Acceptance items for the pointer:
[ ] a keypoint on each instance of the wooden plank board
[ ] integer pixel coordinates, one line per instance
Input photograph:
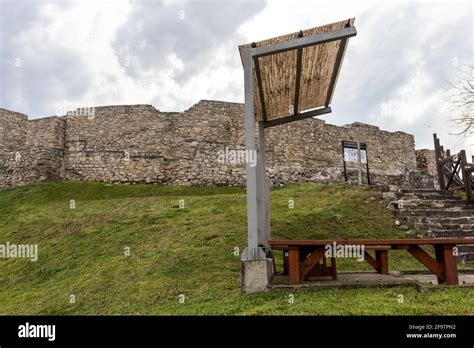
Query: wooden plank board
(277, 244)
(278, 78)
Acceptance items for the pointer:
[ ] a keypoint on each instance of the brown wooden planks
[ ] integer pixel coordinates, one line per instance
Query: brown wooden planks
(278, 73)
(280, 244)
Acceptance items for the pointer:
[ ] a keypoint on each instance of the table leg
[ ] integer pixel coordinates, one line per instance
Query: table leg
(439, 253)
(333, 268)
(294, 266)
(381, 256)
(450, 265)
(285, 262)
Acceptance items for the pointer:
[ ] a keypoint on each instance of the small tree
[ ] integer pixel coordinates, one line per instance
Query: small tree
(462, 101)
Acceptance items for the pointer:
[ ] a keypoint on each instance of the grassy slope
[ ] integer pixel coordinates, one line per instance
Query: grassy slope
(185, 251)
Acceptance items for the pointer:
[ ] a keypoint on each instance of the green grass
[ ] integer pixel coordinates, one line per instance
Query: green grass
(461, 194)
(187, 251)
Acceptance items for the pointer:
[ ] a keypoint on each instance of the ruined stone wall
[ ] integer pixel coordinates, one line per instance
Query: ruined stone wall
(30, 151)
(12, 141)
(311, 150)
(426, 163)
(45, 147)
(141, 144)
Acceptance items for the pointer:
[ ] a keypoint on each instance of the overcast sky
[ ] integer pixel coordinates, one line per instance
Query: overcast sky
(57, 56)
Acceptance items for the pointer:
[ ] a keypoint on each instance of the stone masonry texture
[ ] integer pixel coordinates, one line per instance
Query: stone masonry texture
(138, 143)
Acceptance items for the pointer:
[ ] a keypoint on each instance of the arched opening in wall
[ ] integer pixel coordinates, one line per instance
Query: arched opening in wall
(355, 162)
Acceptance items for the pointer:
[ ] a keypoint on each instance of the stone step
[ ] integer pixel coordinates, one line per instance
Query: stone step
(467, 248)
(466, 257)
(437, 213)
(441, 192)
(451, 233)
(434, 226)
(434, 204)
(429, 196)
(462, 220)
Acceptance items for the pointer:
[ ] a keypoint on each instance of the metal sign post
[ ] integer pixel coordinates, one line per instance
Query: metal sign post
(353, 151)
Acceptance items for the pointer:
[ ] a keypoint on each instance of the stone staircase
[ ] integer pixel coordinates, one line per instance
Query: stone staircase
(437, 214)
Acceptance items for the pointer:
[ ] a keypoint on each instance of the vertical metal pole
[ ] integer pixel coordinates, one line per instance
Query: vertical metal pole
(344, 162)
(359, 162)
(263, 193)
(252, 213)
(367, 164)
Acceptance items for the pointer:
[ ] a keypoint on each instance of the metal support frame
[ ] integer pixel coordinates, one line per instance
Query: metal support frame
(252, 212)
(299, 60)
(260, 88)
(305, 42)
(300, 116)
(337, 67)
(263, 193)
(258, 191)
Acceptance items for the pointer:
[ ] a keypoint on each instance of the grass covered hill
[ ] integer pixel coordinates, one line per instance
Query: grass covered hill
(134, 249)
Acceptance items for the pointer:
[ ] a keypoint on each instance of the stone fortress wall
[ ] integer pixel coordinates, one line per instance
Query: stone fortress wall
(138, 143)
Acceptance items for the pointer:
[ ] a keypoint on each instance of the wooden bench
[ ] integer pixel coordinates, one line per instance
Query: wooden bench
(304, 256)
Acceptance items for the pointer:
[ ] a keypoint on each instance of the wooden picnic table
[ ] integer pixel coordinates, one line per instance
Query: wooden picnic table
(304, 256)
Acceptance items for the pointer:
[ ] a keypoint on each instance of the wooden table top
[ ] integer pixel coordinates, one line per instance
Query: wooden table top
(280, 244)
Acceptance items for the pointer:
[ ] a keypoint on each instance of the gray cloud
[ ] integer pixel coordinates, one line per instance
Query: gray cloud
(190, 30)
(36, 73)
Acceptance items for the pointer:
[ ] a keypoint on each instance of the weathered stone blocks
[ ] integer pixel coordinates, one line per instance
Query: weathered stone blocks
(137, 143)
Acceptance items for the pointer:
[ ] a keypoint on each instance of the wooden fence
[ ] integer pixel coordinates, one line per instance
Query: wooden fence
(454, 172)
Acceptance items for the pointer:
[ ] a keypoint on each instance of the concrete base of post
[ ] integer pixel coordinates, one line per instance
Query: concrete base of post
(256, 275)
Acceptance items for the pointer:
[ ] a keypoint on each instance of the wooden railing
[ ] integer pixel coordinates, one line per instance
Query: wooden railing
(454, 172)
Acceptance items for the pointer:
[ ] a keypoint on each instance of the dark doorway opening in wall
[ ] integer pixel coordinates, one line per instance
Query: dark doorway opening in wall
(354, 158)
